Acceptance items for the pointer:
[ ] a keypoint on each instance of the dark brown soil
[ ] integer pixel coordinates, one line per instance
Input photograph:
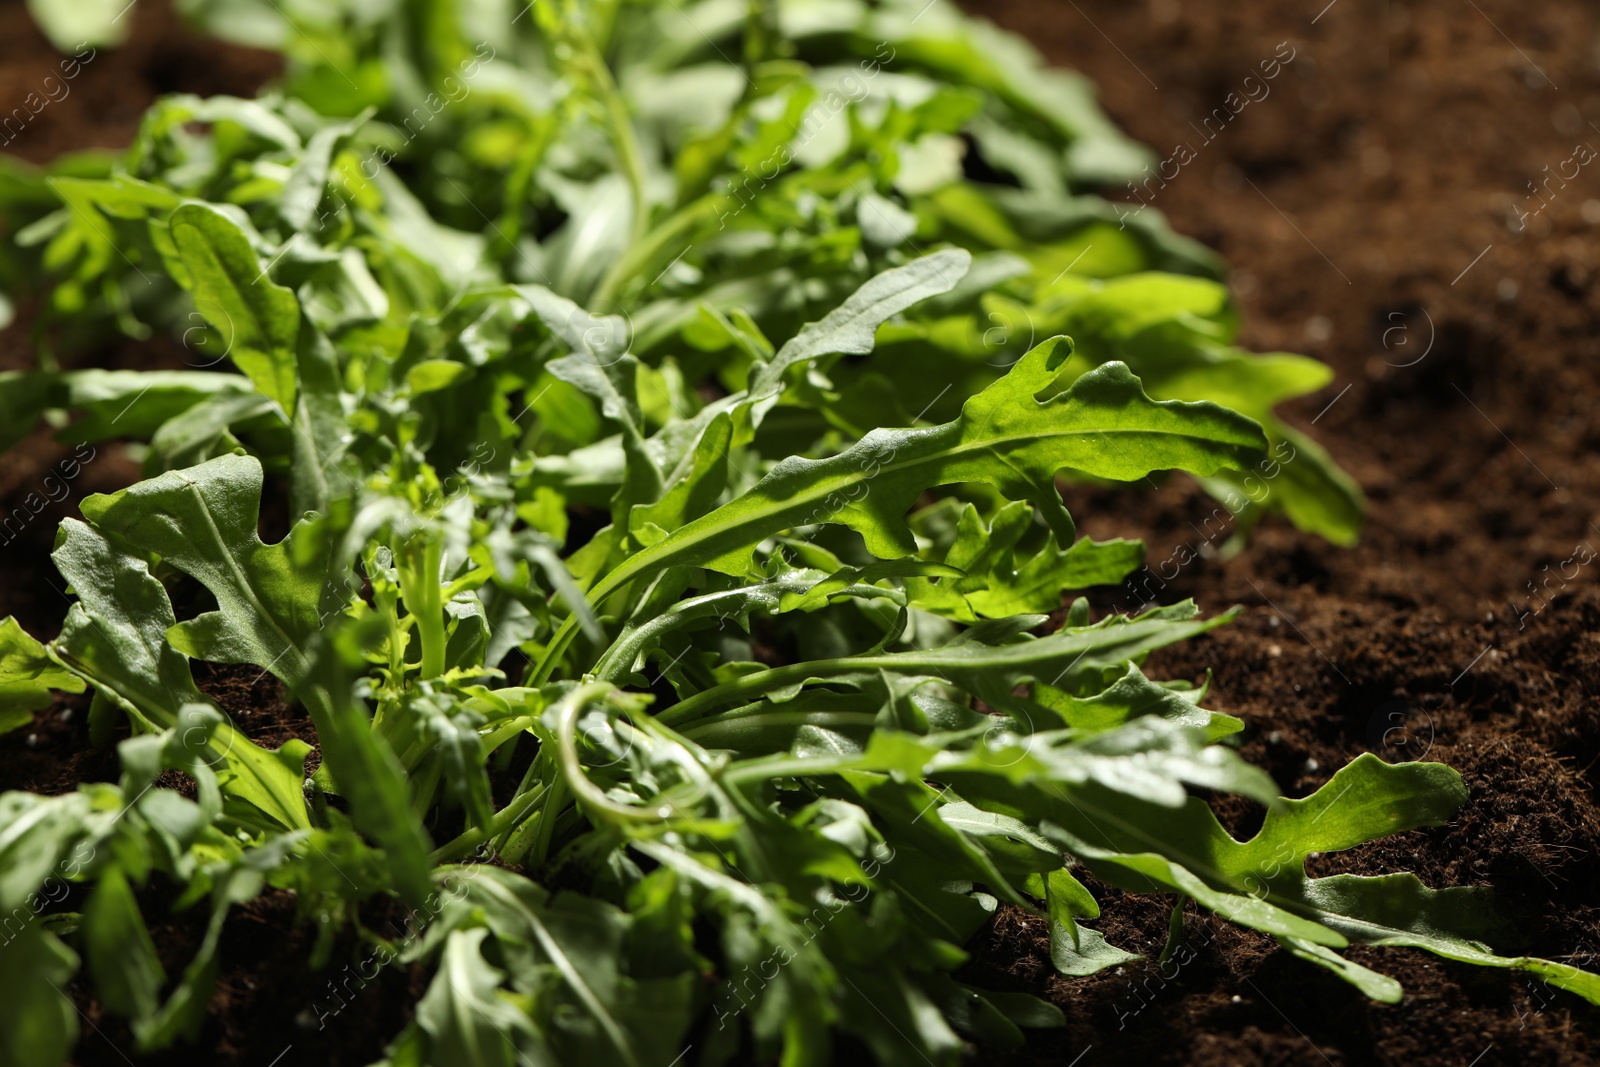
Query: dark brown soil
(101, 105)
(1354, 202)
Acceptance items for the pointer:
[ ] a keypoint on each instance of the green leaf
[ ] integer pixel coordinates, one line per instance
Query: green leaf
(122, 957)
(304, 189)
(910, 812)
(115, 638)
(1397, 910)
(116, 635)
(359, 763)
(465, 1019)
(598, 365)
(1003, 575)
(1104, 425)
(1149, 871)
(788, 591)
(38, 1021)
(204, 431)
(1175, 333)
(257, 318)
(578, 940)
(988, 671)
(70, 26)
(203, 520)
(1139, 770)
(1075, 949)
(851, 328)
(1083, 951)
(1309, 487)
(27, 676)
(321, 431)
(1363, 801)
(136, 404)
(695, 492)
(432, 375)
(1129, 697)
(1379, 987)
(35, 834)
(1262, 882)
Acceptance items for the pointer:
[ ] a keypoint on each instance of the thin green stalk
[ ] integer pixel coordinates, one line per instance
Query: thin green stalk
(424, 788)
(743, 690)
(531, 779)
(506, 819)
(782, 765)
(386, 601)
(587, 63)
(717, 730)
(603, 21)
(648, 248)
(544, 827)
(499, 736)
(762, 32)
(636, 638)
(421, 559)
(627, 145)
(591, 796)
(553, 652)
(541, 134)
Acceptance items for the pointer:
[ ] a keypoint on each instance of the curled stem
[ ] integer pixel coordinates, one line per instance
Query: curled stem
(591, 796)
(586, 792)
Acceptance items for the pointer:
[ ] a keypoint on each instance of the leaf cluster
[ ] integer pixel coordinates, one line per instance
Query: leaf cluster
(685, 539)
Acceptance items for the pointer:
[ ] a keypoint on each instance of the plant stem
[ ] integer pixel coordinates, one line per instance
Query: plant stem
(588, 62)
(644, 251)
(590, 795)
(720, 732)
(761, 32)
(493, 740)
(627, 145)
(505, 819)
(420, 562)
(544, 828)
(741, 690)
(553, 652)
(780, 766)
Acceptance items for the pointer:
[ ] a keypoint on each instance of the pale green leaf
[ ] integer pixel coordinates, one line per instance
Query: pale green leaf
(1104, 425)
(38, 1020)
(257, 318)
(115, 637)
(466, 1020)
(27, 676)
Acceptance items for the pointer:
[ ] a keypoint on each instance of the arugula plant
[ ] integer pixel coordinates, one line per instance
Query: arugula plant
(752, 683)
(680, 164)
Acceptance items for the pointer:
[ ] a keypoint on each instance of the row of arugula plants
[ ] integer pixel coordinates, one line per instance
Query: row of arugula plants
(670, 402)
